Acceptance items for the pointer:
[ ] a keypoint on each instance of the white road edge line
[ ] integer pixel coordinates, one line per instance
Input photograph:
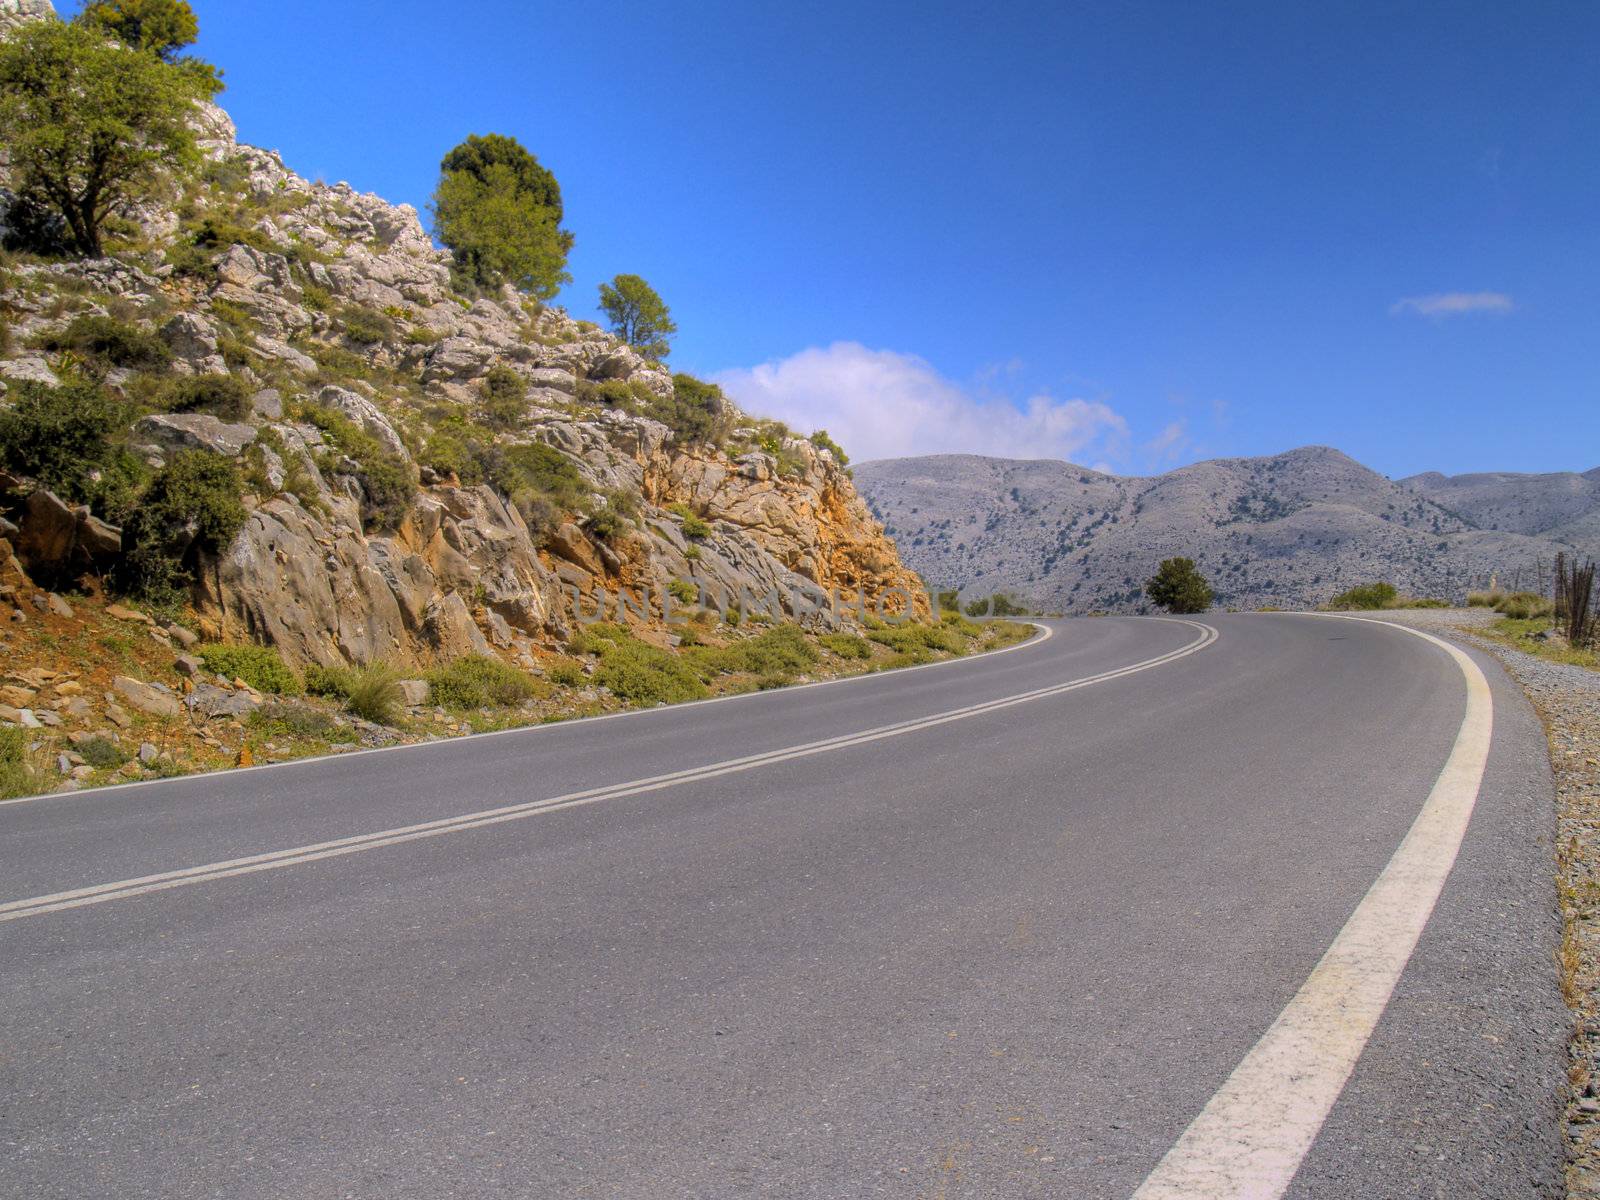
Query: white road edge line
(1249, 1141)
(126, 888)
(533, 730)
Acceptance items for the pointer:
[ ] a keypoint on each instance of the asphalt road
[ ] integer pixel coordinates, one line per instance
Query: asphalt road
(988, 949)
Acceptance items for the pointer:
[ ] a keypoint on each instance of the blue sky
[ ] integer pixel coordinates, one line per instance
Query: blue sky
(1135, 234)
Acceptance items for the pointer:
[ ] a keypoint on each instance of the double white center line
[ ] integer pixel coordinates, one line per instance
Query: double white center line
(127, 888)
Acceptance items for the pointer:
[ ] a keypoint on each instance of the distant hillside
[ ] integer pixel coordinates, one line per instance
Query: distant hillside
(1292, 529)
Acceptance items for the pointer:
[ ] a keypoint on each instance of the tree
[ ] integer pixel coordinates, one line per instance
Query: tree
(1178, 587)
(638, 315)
(162, 27)
(500, 213)
(90, 125)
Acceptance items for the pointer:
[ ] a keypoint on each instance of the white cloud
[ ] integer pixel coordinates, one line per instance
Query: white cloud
(1170, 444)
(1452, 304)
(881, 404)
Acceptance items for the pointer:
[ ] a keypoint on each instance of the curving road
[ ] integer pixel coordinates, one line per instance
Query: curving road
(1004, 927)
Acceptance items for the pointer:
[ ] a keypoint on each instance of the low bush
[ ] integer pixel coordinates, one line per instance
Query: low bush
(1366, 596)
(1484, 599)
(683, 591)
(822, 441)
(366, 326)
(846, 645)
(505, 398)
(616, 518)
(373, 694)
(480, 682)
(920, 641)
(16, 775)
(694, 528)
(1524, 606)
(102, 753)
(112, 342)
(779, 651)
(695, 412)
(227, 396)
(643, 674)
(259, 666)
(566, 672)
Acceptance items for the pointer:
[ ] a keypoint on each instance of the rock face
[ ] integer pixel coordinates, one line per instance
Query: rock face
(360, 361)
(15, 12)
(1291, 530)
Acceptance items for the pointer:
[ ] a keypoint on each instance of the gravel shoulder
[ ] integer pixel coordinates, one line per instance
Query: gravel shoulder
(1567, 699)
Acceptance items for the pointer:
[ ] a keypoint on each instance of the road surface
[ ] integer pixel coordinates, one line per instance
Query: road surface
(1002, 927)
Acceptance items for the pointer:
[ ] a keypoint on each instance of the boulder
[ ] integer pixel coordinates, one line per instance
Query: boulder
(415, 692)
(213, 701)
(153, 698)
(367, 415)
(195, 431)
(555, 378)
(193, 340)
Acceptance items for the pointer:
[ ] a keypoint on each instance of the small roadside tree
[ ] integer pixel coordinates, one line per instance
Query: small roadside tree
(90, 125)
(500, 213)
(162, 27)
(638, 315)
(1178, 587)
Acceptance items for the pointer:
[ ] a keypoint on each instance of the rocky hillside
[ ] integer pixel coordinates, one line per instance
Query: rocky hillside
(424, 473)
(1562, 505)
(1293, 529)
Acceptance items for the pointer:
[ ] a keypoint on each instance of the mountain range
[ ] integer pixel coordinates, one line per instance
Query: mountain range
(1290, 529)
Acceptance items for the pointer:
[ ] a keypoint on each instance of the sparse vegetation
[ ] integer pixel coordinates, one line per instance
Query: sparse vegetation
(1366, 596)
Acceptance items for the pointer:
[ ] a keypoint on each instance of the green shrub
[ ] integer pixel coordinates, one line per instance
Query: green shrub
(683, 591)
(366, 327)
(846, 645)
(112, 341)
(1178, 587)
(479, 682)
(566, 672)
(1525, 606)
(505, 398)
(643, 674)
(259, 666)
(102, 753)
(920, 641)
(779, 651)
(695, 412)
(16, 775)
(1484, 599)
(63, 438)
(693, 527)
(538, 468)
(373, 694)
(1366, 596)
(191, 509)
(335, 683)
(225, 395)
(616, 518)
(822, 441)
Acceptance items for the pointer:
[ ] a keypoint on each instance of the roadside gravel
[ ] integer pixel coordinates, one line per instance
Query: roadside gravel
(1567, 699)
